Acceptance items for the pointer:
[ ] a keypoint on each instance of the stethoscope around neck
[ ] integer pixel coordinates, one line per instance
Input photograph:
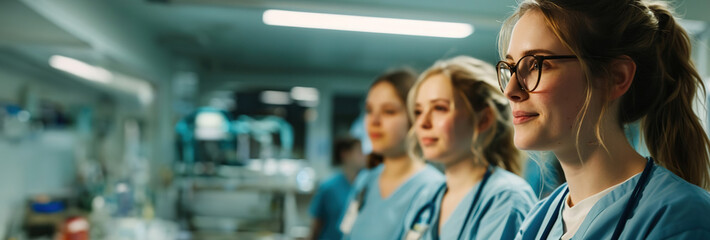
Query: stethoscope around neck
(425, 215)
(630, 206)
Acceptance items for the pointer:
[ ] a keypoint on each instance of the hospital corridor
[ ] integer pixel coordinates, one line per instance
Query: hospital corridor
(354, 119)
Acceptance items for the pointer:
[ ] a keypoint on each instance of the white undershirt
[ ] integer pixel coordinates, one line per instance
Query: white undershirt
(572, 217)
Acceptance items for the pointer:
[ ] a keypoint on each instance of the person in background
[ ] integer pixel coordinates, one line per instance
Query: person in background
(384, 192)
(462, 121)
(328, 204)
(575, 73)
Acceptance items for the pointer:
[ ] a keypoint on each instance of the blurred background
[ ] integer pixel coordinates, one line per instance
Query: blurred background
(205, 119)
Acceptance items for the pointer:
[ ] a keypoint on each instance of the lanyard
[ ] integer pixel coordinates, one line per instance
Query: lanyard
(630, 205)
(429, 208)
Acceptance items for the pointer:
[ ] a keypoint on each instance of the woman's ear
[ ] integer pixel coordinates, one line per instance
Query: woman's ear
(487, 119)
(623, 70)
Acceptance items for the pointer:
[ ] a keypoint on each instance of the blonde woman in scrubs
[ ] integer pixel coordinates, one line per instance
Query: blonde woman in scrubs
(384, 193)
(462, 120)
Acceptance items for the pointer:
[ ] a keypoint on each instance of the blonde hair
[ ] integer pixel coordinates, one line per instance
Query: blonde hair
(665, 83)
(474, 82)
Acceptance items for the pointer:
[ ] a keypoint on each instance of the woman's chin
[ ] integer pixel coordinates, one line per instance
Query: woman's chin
(431, 157)
(380, 150)
(526, 144)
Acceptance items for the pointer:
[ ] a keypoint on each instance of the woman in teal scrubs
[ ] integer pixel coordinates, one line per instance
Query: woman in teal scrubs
(461, 120)
(384, 193)
(576, 72)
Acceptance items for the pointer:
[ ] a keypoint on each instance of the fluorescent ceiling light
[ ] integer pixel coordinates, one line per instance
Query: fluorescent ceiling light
(304, 94)
(142, 89)
(81, 69)
(275, 98)
(367, 24)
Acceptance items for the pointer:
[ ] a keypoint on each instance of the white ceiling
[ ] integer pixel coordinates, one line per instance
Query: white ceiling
(228, 36)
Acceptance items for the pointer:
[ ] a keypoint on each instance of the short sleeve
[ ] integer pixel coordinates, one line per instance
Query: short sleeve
(317, 207)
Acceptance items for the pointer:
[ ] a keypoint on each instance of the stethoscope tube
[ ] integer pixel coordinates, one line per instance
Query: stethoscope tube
(473, 204)
(432, 204)
(429, 206)
(633, 201)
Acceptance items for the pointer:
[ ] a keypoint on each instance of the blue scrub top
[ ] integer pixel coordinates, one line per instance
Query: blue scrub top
(505, 200)
(328, 205)
(381, 218)
(669, 208)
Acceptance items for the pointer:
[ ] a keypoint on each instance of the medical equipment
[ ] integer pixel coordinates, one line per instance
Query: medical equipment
(238, 176)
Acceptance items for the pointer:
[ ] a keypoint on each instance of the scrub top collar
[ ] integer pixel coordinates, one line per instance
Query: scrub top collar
(560, 198)
(427, 214)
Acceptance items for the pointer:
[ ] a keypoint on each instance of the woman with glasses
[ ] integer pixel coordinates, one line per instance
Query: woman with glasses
(383, 194)
(462, 121)
(575, 73)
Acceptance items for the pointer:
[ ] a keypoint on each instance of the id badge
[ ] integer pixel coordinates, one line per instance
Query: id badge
(350, 216)
(413, 235)
(416, 233)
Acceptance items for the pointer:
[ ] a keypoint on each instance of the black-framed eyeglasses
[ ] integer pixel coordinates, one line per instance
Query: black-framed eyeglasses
(528, 70)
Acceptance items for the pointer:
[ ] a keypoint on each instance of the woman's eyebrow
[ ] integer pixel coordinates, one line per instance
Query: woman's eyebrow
(434, 100)
(531, 52)
(440, 99)
(536, 51)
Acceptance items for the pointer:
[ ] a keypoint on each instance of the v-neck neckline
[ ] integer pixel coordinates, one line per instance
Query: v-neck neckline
(619, 191)
(398, 189)
(468, 198)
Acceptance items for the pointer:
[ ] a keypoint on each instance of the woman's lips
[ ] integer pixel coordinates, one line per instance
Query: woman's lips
(520, 117)
(428, 141)
(375, 136)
